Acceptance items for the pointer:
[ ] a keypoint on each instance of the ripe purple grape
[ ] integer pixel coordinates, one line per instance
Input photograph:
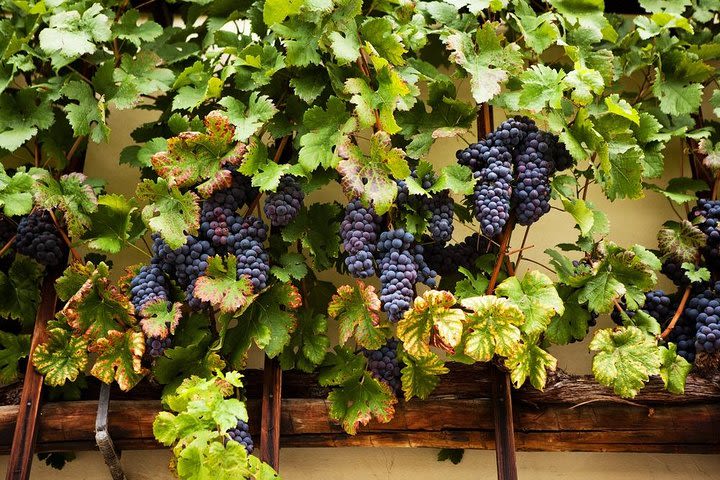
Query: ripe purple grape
(385, 366)
(241, 434)
(398, 272)
(39, 239)
(156, 346)
(219, 212)
(147, 286)
(282, 206)
(704, 309)
(447, 259)
(246, 242)
(359, 230)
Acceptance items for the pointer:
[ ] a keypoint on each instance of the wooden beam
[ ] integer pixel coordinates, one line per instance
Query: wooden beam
(25, 421)
(271, 413)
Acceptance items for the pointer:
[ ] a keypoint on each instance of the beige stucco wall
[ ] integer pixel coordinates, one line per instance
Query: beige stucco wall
(631, 222)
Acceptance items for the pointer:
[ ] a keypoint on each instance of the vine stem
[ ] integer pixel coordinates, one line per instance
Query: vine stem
(504, 242)
(7, 246)
(74, 252)
(74, 147)
(276, 158)
(522, 248)
(678, 313)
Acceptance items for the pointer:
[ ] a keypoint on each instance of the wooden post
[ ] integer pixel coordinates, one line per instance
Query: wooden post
(23, 445)
(501, 389)
(270, 416)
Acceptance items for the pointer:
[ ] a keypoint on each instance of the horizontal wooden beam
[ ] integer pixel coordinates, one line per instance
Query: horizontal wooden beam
(655, 422)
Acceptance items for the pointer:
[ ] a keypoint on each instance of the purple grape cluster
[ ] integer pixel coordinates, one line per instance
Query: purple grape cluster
(442, 211)
(282, 206)
(219, 212)
(425, 274)
(683, 335)
(446, 259)
(385, 366)
(39, 239)
(492, 204)
(359, 230)
(673, 270)
(658, 305)
(398, 272)
(532, 187)
(704, 310)
(246, 242)
(156, 346)
(148, 286)
(241, 434)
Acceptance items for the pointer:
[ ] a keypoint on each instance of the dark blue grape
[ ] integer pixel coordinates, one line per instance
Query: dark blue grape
(447, 259)
(398, 272)
(147, 286)
(282, 206)
(246, 242)
(359, 230)
(385, 366)
(241, 434)
(156, 346)
(39, 239)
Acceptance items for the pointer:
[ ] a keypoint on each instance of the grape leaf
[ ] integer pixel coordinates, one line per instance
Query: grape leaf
(384, 100)
(625, 359)
(317, 230)
(674, 369)
(491, 327)
(87, 117)
(73, 195)
(98, 307)
(137, 76)
(359, 400)
(291, 266)
(536, 297)
(322, 132)
(20, 290)
(677, 97)
(14, 348)
(170, 212)
(308, 343)
(695, 274)
(114, 224)
(220, 286)
(70, 34)
(541, 86)
(431, 315)
(456, 178)
(682, 241)
(159, 322)
(529, 361)
(340, 366)
(192, 157)
(127, 28)
(379, 33)
(119, 356)
(275, 11)
(22, 117)
(16, 192)
(680, 190)
(369, 176)
(357, 308)
(574, 322)
(345, 47)
(62, 357)
(420, 375)
(247, 120)
(73, 279)
(268, 322)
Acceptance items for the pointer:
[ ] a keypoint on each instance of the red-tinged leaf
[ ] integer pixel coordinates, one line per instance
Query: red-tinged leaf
(431, 317)
(157, 320)
(193, 157)
(357, 310)
(360, 400)
(172, 213)
(220, 286)
(119, 358)
(62, 357)
(98, 307)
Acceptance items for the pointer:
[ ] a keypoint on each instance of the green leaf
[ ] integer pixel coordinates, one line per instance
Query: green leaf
(70, 34)
(322, 132)
(420, 375)
(20, 290)
(127, 28)
(621, 107)
(291, 266)
(317, 230)
(574, 322)
(529, 361)
(674, 369)
(585, 83)
(98, 307)
(159, 322)
(680, 190)
(694, 274)
(431, 314)
(456, 178)
(340, 366)
(275, 11)
(14, 348)
(360, 400)
(626, 358)
(583, 215)
(111, 226)
(357, 308)
(601, 291)
(138, 76)
(61, 358)
(541, 86)
(383, 101)
(369, 176)
(247, 120)
(491, 328)
(22, 116)
(119, 358)
(308, 344)
(536, 297)
(379, 33)
(220, 286)
(87, 116)
(170, 212)
(345, 47)
(16, 192)
(676, 96)
(73, 195)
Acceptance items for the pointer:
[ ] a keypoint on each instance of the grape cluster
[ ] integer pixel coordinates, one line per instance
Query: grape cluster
(708, 214)
(446, 259)
(38, 238)
(683, 335)
(492, 193)
(384, 365)
(704, 310)
(219, 212)
(241, 434)
(398, 272)
(149, 285)
(673, 270)
(283, 206)
(442, 211)
(185, 264)
(425, 274)
(246, 240)
(658, 305)
(532, 187)
(156, 346)
(359, 230)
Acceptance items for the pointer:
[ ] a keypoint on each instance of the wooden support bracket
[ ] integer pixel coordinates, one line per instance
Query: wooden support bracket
(270, 416)
(102, 435)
